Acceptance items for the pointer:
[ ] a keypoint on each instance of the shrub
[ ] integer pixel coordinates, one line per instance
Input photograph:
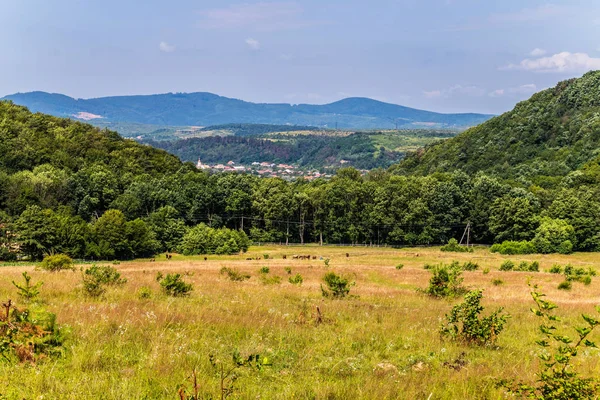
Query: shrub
(582, 275)
(266, 256)
(486, 271)
(144, 293)
(554, 236)
(202, 239)
(558, 380)
(338, 287)
(565, 285)
(470, 266)
(264, 270)
(296, 279)
(57, 262)
(507, 266)
(465, 324)
(399, 266)
(446, 281)
(497, 282)
(556, 269)
(96, 278)
(453, 246)
(270, 279)
(565, 247)
(173, 285)
(288, 270)
(234, 274)
(512, 247)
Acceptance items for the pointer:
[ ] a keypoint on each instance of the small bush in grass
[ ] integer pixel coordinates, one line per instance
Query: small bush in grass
(28, 291)
(507, 266)
(173, 285)
(57, 262)
(234, 274)
(144, 293)
(266, 256)
(338, 287)
(264, 270)
(497, 282)
(399, 266)
(556, 269)
(326, 261)
(453, 246)
(296, 279)
(470, 266)
(582, 275)
(511, 247)
(446, 281)
(465, 324)
(96, 278)
(486, 270)
(270, 279)
(566, 285)
(288, 270)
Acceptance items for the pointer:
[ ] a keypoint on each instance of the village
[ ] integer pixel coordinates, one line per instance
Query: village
(265, 169)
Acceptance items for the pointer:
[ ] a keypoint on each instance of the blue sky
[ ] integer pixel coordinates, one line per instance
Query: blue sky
(441, 55)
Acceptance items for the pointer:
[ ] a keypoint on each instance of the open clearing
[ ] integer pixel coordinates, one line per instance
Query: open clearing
(381, 343)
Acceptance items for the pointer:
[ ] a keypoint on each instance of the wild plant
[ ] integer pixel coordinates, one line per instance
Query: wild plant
(338, 287)
(174, 285)
(234, 274)
(28, 291)
(446, 281)
(296, 279)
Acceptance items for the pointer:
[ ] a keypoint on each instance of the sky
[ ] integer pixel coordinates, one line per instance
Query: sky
(440, 55)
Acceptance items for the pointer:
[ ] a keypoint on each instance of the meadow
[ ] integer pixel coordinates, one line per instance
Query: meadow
(381, 342)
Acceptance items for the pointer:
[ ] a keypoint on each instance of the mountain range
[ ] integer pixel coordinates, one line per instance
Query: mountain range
(204, 109)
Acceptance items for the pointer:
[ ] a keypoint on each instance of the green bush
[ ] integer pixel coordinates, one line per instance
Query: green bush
(296, 279)
(264, 270)
(270, 279)
(338, 287)
(497, 282)
(399, 266)
(446, 281)
(511, 247)
(453, 246)
(57, 262)
(556, 269)
(565, 285)
(234, 274)
(96, 278)
(470, 266)
(507, 266)
(464, 323)
(28, 291)
(144, 293)
(173, 285)
(288, 270)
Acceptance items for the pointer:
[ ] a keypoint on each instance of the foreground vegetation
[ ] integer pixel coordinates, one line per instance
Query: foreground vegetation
(382, 339)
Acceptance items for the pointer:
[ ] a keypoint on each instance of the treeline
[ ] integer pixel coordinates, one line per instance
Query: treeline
(257, 129)
(314, 151)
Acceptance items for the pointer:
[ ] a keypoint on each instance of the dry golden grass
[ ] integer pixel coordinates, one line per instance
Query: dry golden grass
(381, 343)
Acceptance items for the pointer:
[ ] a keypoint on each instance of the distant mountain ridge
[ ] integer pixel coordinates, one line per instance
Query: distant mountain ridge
(203, 109)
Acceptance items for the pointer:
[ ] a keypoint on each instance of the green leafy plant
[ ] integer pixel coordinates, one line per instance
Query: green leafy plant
(228, 372)
(556, 269)
(174, 285)
(326, 261)
(486, 270)
(144, 293)
(296, 279)
(338, 287)
(264, 270)
(28, 291)
(446, 281)
(270, 279)
(234, 274)
(565, 285)
(470, 266)
(399, 266)
(96, 278)
(465, 324)
(507, 266)
(57, 262)
(453, 246)
(288, 270)
(497, 282)
(557, 378)
(512, 247)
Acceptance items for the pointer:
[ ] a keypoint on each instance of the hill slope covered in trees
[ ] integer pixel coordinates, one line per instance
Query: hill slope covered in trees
(202, 109)
(554, 134)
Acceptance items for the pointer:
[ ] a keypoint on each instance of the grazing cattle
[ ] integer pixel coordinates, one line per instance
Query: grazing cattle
(347, 255)
(294, 257)
(314, 257)
(205, 258)
(308, 257)
(169, 256)
(249, 259)
(152, 260)
(284, 257)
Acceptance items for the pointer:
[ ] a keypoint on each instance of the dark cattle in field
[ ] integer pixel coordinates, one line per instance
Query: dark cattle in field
(284, 257)
(314, 257)
(205, 258)
(347, 255)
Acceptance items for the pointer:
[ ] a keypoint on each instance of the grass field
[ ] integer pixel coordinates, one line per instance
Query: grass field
(381, 343)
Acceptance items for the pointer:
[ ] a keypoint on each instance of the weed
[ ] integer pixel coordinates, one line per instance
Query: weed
(399, 266)
(470, 266)
(288, 270)
(270, 279)
(227, 371)
(453, 246)
(565, 285)
(264, 270)
(486, 270)
(28, 291)
(446, 281)
(144, 293)
(558, 380)
(326, 261)
(556, 269)
(497, 282)
(296, 279)
(507, 266)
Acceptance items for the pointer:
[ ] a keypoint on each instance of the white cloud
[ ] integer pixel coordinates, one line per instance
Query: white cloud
(561, 62)
(253, 43)
(537, 52)
(166, 47)
(519, 90)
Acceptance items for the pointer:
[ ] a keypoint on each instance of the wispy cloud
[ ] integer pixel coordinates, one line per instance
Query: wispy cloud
(460, 90)
(530, 88)
(253, 44)
(540, 13)
(166, 47)
(561, 62)
(537, 52)
(263, 16)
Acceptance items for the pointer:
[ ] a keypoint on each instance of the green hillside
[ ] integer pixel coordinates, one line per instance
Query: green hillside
(549, 136)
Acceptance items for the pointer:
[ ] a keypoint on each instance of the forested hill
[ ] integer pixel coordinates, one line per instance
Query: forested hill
(552, 134)
(29, 141)
(202, 109)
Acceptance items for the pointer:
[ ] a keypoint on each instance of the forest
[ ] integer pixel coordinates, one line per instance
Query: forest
(67, 187)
